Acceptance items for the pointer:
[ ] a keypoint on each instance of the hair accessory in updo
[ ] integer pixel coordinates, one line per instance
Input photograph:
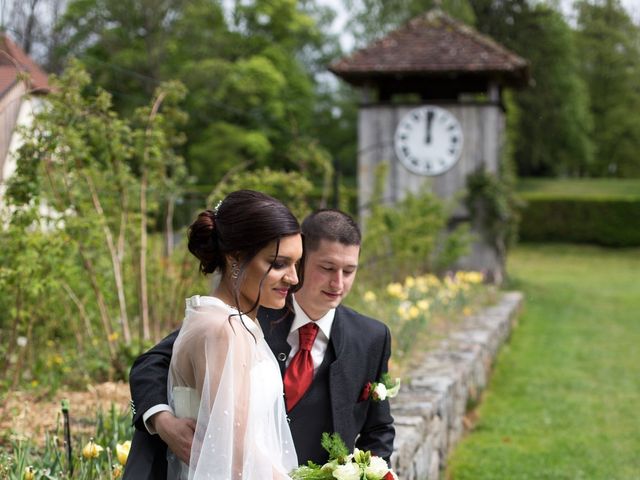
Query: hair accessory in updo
(217, 207)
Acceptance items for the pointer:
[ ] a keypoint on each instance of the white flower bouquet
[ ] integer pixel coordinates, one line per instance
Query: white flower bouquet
(342, 465)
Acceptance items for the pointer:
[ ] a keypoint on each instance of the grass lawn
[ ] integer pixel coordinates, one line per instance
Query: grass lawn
(564, 399)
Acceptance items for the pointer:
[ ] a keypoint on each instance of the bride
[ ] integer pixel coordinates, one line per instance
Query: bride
(222, 372)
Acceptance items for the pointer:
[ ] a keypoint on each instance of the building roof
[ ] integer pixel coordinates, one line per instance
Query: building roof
(432, 45)
(14, 60)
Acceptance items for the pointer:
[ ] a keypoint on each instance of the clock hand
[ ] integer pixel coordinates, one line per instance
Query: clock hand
(429, 122)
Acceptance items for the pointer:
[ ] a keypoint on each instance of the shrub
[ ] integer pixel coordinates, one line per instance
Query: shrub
(410, 237)
(607, 221)
(80, 272)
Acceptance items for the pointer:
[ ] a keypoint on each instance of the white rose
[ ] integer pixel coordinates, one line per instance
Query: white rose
(350, 471)
(380, 392)
(377, 469)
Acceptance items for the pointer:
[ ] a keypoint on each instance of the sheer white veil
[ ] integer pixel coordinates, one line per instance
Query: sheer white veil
(224, 375)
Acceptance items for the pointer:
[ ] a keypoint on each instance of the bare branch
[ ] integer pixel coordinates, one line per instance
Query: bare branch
(116, 261)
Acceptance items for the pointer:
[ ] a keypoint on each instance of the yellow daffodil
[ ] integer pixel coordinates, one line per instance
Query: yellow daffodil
(91, 450)
(409, 282)
(369, 296)
(432, 280)
(423, 305)
(395, 290)
(413, 312)
(471, 277)
(122, 451)
(29, 473)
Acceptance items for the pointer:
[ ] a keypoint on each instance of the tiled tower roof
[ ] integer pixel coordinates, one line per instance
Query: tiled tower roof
(432, 45)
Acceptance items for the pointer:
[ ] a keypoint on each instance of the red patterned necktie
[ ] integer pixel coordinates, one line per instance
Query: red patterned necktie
(299, 373)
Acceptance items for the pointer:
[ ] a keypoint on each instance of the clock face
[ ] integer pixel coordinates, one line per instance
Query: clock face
(428, 140)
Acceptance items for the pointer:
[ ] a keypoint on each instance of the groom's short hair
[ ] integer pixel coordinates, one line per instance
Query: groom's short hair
(331, 225)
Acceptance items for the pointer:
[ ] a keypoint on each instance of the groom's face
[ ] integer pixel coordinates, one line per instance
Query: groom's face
(329, 272)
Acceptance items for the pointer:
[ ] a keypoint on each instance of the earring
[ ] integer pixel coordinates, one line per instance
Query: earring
(235, 270)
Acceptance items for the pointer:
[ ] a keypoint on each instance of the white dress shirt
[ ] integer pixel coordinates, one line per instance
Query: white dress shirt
(322, 340)
(162, 407)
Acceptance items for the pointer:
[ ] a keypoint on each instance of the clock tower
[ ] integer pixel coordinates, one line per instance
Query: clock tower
(432, 109)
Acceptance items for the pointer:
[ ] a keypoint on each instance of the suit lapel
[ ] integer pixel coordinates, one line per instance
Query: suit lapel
(337, 373)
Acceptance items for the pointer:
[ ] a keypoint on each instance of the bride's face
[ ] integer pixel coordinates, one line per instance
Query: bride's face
(280, 278)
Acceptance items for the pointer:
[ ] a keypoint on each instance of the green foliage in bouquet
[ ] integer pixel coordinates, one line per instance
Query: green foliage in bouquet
(337, 450)
(335, 446)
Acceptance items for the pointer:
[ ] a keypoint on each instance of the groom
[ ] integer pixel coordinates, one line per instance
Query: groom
(349, 351)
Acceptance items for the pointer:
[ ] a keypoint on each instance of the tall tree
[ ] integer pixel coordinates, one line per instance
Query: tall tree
(31, 23)
(22, 22)
(553, 123)
(248, 68)
(609, 49)
(122, 43)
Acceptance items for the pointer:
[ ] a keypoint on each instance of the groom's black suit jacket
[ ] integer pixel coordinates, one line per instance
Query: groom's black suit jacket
(358, 353)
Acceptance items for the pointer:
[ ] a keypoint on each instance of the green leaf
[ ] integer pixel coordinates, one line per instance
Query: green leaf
(335, 446)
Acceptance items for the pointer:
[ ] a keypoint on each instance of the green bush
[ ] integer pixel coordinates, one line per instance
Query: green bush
(409, 237)
(609, 221)
(87, 280)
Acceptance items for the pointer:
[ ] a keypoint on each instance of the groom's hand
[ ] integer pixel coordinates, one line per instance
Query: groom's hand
(177, 433)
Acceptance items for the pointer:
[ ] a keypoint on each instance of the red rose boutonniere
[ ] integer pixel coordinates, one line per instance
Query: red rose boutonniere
(378, 391)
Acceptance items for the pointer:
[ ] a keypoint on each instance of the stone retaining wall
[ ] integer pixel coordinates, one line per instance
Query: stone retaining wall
(430, 408)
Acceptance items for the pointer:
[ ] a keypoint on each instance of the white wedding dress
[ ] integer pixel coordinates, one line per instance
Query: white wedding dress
(225, 376)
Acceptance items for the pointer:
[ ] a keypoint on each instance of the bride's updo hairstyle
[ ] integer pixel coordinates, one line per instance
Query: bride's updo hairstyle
(244, 223)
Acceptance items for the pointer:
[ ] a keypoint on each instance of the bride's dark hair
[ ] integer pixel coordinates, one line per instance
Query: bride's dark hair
(244, 223)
